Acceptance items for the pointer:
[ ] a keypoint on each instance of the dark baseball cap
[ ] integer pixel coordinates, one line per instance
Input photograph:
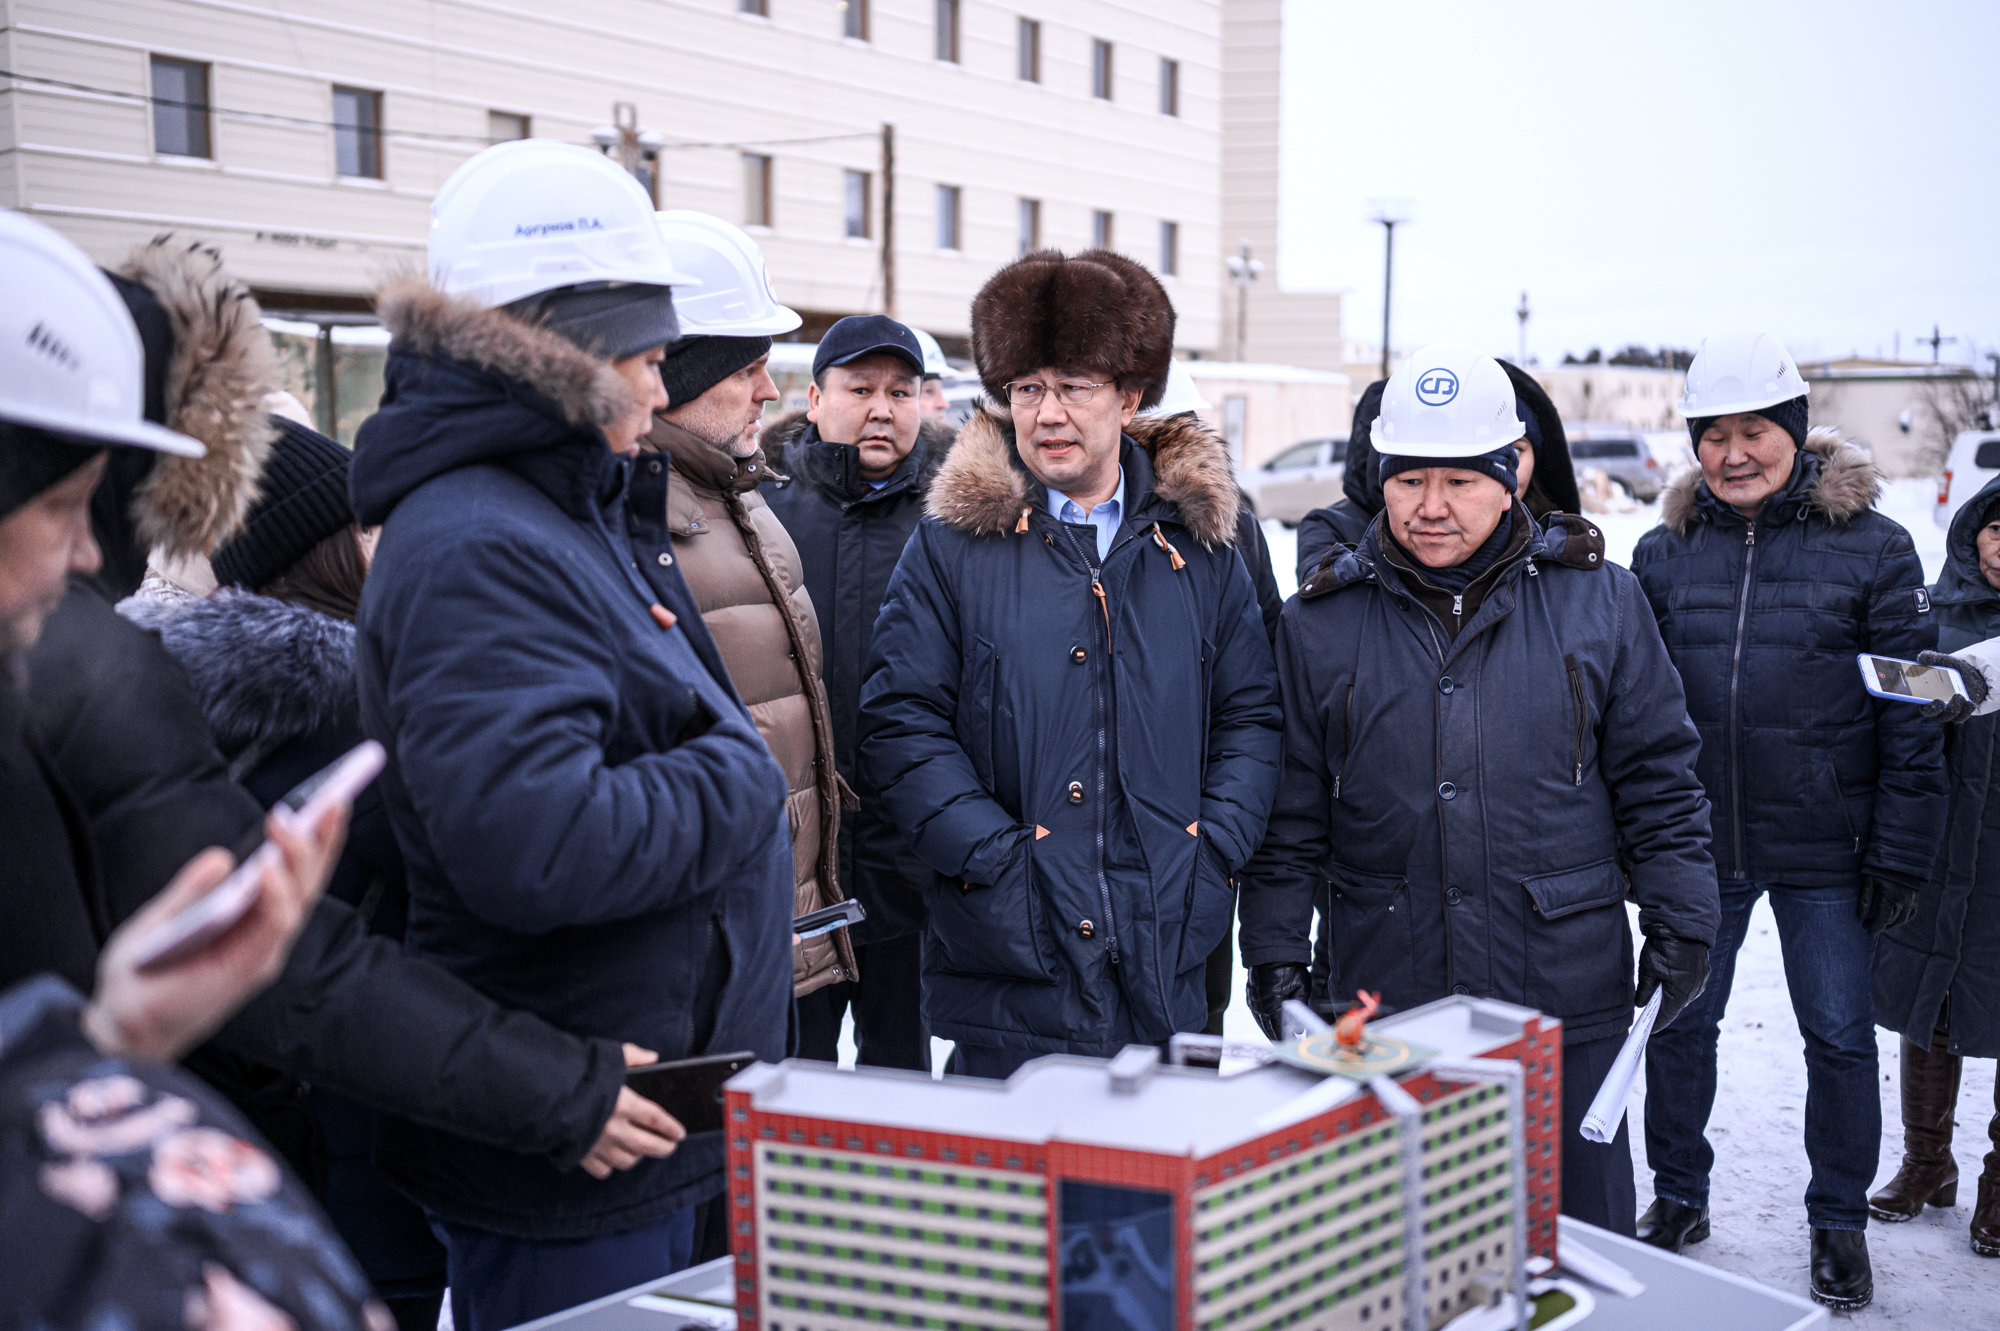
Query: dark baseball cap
(861, 335)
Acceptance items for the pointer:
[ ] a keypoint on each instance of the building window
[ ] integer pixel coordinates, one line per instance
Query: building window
(1029, 67)
(947, 217)
(357, 132)
(180, 108)
(1170, 87)
(854, 19)
(1170, 249)
(1100, 230)
(1102, 1228)
(947, 30)
(505, 126)
(756, 189)
(761, 8)
(1100, 69)
(1031, 225)
(859, 198)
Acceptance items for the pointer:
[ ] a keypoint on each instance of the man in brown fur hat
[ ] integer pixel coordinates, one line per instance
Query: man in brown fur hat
(1070, 706)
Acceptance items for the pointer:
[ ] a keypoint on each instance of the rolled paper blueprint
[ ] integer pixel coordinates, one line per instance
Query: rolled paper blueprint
(1601, 1123)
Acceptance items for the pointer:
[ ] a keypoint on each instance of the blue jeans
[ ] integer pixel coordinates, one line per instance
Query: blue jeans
(499, 1282)
(1829, 959)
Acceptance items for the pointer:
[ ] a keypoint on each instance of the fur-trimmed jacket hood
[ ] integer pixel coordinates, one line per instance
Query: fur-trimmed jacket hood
(470, 384)
(266, 672)
(984, 489)
(782, 441)
(1832, 478)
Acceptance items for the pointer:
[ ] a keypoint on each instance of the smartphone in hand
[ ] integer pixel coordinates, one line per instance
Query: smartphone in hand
(840, 916)
(691, 1088)
(189, 930)
(1907, 681)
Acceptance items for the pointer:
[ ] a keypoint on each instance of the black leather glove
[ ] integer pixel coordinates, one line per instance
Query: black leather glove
(1957, 709)
(1271, 984)
(1884, 904)
(1678, 965)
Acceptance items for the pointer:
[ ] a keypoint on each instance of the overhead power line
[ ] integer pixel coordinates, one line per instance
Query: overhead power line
(273, 118)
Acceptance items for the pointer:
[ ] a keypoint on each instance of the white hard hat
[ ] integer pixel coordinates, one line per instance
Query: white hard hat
(1449, 400)
(734, 298)
(1740, 370)
(935, 365)
(530, 216)
(1181, 395)
(70, 359)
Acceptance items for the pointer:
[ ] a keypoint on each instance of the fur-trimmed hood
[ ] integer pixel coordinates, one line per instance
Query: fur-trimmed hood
(983, 487)
(466, 384)
(267, 672)
(782, 439)
(208, 367)
(1845, 485)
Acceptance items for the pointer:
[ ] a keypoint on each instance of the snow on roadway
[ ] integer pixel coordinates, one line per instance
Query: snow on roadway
(1926, 1276)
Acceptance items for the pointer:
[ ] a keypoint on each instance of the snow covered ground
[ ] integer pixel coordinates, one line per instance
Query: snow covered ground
(1925, 1274)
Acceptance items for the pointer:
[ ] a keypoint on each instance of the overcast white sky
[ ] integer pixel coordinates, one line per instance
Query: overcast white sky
(1829, 171)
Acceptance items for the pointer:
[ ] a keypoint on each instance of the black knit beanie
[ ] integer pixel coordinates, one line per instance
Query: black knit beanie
(303, 500)
(696, 364)
(1502, 464)
(1789, 416)
(32, 460)
(609, 321)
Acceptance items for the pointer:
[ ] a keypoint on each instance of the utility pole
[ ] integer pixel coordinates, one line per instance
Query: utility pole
(889, 218)
(1522, 314)
(1388, 216)
(1243, 270)
(1934, 342)
(637, 150)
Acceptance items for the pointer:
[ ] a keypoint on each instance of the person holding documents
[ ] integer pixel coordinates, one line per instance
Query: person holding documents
(1486, 751)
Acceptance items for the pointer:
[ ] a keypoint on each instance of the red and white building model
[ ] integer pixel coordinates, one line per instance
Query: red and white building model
(1085, 1195)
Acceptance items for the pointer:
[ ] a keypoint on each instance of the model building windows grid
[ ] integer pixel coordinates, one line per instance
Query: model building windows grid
(854, 19)
(180, 108)
(357, 132)
(756, 189)
(1170, 249)
(506, 126)
(947, 30)
(1030, 222)
(1100, 69)
(1100, 230)
(857, 204)
(1029, 53)
(1170, 87)
(947, 217)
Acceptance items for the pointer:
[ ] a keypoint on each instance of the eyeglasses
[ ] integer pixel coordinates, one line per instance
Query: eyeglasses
(1069, 392)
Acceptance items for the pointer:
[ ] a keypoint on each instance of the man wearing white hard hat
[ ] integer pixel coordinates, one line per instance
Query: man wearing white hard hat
(592, 826)
(695, 502)
(1486, 751)
(931, 402)
(1769, 572)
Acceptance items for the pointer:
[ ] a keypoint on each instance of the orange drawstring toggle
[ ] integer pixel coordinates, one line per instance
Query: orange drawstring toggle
(663, 616)
(1021, 527)
(1160, 539)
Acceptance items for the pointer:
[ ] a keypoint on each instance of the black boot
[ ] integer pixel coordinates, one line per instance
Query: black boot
(1986, 1215)
(1672, 1226)
(1841, 1276)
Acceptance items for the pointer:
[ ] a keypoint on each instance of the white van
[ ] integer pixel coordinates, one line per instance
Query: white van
(1974, 460)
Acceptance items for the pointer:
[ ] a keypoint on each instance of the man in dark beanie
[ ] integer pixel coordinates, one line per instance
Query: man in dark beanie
(1070, 707)
(1486, 750)
(1770, 570)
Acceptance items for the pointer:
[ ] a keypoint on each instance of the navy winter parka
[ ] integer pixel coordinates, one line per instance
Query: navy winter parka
(1951, 950)
(1812, 781)
(592, 828)
(849, 538)
(1083, 773)
(1483, 805)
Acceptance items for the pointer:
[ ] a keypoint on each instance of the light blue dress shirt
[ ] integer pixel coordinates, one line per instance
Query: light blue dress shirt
(1106, 517)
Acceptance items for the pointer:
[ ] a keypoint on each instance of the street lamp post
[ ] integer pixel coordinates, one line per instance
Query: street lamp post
(1388, 214)
(1243, 270)
(1521, 359)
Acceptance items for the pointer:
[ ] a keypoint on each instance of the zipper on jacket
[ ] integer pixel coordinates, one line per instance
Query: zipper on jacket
(1735, 716)
(1346, 737)
(1576, 694)
(1103, 743)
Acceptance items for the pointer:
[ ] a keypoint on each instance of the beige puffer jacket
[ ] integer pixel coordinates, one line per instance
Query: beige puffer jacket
(745, 575)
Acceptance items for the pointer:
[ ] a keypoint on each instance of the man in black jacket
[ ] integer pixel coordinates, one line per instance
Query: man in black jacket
(859, 462)
(1769, 572)
(1485, 751)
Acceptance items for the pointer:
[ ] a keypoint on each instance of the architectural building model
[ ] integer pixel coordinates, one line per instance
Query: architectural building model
(1086, 1195)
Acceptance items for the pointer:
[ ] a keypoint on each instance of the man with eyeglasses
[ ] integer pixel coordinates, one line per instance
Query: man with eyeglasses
(1071, 708)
